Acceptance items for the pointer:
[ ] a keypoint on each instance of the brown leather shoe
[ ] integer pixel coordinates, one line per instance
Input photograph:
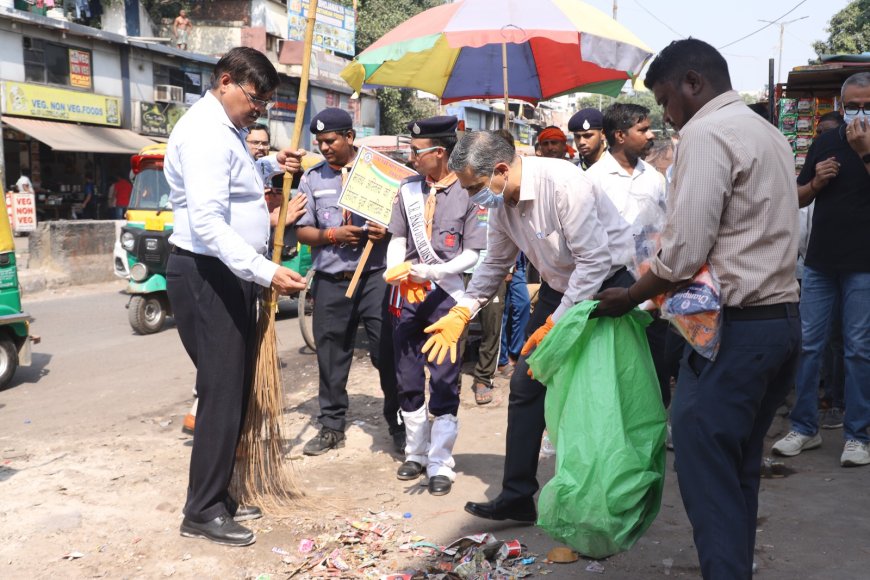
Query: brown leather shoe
(189, 424)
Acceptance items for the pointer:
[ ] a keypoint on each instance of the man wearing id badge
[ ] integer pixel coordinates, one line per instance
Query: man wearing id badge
(336, 237)
(436, 237)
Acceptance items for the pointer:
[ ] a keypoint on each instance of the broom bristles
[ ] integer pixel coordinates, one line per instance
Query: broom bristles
(261, 476)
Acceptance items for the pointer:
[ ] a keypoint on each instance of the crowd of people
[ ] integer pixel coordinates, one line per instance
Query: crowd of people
(463, 234)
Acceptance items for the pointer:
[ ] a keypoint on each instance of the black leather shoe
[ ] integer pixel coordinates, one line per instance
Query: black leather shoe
(409, 470)
(221, 530)
(246, 513)
(324, 441)
(440, 485)
(399, 440)
(520, 510)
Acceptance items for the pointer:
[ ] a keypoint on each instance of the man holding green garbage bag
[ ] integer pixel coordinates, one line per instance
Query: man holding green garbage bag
(733, 205)
(545, 208)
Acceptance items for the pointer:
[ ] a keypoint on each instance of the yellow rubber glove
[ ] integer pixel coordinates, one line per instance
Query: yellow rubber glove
(537, 336)
(398, 273)
(446, 333)
(413, 292)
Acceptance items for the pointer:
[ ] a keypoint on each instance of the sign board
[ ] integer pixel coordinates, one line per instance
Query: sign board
(372, 185)
(158, 119)
(42, 102)
(334, 28)
(80, 68)
(23, 212)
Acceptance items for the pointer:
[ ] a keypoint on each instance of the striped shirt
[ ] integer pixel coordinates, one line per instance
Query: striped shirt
(733, 203)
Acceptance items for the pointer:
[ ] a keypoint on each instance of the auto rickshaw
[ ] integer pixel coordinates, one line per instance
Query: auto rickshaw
(145, 239)
(15, 338)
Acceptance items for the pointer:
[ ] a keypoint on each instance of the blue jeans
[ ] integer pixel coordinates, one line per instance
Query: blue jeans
(819, 294)
(516, 316)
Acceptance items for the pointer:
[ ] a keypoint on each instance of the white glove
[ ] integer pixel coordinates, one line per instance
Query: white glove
(423, 273)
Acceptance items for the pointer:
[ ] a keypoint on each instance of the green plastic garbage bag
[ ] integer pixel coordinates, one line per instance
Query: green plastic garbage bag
(606, 420)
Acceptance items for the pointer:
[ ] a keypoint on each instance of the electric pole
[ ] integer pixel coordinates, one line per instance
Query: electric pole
(782, 26)
(614, 9)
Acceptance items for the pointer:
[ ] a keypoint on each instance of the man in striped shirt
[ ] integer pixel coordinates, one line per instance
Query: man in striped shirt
(732, 205)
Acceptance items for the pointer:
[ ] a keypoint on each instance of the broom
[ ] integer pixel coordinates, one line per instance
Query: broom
(261, 477)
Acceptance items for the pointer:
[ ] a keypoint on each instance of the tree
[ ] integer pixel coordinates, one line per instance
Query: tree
(374, 19)
(643, 98)
(848, 29)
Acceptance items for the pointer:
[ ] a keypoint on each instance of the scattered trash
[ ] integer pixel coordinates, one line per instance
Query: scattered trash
(264, 577)
(368, 547)
(562, 555)
(165, 423)
(27, 421)
(359, 422)
(74, 555)
(668, 563)
(547, 449)
(281, 551)
(595, 567)
(771, 469)
(186, 557)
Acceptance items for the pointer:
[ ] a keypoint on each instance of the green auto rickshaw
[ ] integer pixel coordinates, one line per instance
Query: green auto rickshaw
(145, 240)
(15, 338)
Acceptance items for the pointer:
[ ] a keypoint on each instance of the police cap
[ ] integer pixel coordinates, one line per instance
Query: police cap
(331, 120)
(441, 126)
(585, 120)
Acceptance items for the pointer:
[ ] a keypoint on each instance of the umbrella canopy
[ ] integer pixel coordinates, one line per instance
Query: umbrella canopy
(454, 51)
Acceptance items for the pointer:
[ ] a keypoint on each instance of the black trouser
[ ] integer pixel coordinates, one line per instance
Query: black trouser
(666, 347)
(526, 404)
(490, 341)
(216, 313)
(721, 413)
(387, 366)
(336, 319)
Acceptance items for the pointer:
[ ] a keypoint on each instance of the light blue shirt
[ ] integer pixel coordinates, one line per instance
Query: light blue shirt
(216, 192)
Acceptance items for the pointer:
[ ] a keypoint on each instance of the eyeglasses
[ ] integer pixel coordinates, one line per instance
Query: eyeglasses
(259, 144)
(416, 152)
(851, 109)
(256, 101)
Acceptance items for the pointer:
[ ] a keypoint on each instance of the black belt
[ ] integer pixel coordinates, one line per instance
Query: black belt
(182, 252)
(767, 312)
(344, 276)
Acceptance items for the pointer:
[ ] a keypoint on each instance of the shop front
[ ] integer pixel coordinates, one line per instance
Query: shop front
(70, 143)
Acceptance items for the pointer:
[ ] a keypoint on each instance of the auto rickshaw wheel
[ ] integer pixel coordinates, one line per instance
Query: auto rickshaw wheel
(8, 360)
(306, 312)
(147, 313)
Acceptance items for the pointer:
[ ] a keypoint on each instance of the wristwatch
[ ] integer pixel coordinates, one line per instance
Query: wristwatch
(865, 158)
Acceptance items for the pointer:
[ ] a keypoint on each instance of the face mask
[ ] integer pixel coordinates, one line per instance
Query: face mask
(487, 198)
(859, 115)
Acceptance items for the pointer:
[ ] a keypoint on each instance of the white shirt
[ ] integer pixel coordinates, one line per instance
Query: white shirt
(639, 195)
(24, 184)
(216, 192)
(561, 228)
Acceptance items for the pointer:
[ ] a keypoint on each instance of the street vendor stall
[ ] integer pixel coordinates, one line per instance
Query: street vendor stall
(812, 91)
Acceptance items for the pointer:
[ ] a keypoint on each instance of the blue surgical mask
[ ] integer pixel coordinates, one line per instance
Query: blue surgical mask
(487, 198)
(859, 115)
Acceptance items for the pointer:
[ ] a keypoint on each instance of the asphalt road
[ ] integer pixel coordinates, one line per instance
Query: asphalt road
(94, 379)
(91, 371)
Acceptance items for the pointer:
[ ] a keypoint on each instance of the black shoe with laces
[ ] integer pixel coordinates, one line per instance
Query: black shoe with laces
(324, 441)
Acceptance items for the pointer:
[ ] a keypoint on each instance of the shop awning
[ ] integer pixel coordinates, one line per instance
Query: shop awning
(85, 138)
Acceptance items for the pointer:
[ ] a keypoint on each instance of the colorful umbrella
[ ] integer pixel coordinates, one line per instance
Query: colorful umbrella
(464, 50)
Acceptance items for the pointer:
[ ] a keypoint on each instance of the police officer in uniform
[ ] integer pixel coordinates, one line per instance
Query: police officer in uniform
(436, 237)
(588, 128)
(337, 237)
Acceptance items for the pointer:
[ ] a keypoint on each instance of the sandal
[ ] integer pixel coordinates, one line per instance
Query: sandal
(482, 393)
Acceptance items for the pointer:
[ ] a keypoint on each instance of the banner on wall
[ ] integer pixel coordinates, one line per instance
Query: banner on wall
(158, 119)
(334, 28)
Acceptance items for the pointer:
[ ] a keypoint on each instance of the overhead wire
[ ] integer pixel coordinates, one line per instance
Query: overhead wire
(768, 25)
(659, 20)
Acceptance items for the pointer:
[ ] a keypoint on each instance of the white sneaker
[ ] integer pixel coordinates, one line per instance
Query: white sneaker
(855, 453)
(793, 443)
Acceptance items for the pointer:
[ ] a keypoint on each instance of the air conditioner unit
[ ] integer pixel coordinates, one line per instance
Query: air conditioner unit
(168, 94)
